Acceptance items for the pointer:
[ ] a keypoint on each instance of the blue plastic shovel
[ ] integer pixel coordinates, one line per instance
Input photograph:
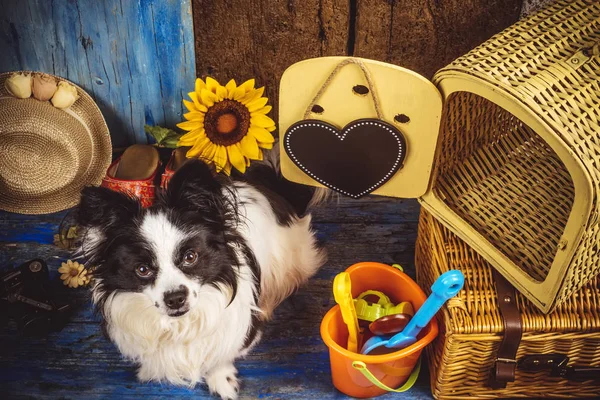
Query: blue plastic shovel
(444, 288)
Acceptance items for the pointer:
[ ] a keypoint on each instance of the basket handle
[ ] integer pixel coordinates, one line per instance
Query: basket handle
(362, 368)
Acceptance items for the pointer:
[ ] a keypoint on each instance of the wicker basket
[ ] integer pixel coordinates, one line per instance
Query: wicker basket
(462, 358)
(517, 170)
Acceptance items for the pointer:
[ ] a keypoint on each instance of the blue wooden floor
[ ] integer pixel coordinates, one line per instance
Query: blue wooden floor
(290, 362)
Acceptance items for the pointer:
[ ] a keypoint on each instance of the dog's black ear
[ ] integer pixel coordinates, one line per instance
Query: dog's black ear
(101, 207)
(193, 186)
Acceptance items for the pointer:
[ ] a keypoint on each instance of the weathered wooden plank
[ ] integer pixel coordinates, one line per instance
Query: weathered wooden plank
(243, 39)
(369, 210)
(426, 35)
(135, 58)
(290, 362)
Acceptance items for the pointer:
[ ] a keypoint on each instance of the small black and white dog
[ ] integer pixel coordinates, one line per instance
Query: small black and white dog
(184, 285)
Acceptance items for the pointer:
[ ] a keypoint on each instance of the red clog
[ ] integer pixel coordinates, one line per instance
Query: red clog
(177, 159)
(134, 173)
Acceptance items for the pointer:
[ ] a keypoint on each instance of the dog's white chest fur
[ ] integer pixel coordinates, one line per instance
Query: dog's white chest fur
(180, 350)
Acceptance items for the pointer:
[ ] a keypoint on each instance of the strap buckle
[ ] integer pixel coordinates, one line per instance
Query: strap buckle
(506, 360)
(558, 366)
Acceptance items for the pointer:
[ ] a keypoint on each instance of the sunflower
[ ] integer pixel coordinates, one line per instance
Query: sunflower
(74, 274)
(227, 125)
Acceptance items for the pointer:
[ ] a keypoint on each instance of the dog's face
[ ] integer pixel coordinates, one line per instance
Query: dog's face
(179, 253)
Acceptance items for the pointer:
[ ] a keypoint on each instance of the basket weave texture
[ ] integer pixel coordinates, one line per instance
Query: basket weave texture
(462, 356)
(497, 174)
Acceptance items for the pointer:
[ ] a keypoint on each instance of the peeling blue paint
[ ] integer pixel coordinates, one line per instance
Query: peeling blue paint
(134, 57)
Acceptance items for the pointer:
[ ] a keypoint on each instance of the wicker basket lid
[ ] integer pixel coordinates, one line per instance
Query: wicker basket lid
(47, 155)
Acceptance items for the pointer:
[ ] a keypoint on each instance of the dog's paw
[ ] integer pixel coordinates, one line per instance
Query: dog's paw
(224, 382)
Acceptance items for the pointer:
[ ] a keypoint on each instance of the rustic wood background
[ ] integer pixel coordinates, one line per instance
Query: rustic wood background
(259, 39)
(139, 58)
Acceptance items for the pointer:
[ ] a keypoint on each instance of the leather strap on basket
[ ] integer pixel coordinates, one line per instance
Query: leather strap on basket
(506, 363)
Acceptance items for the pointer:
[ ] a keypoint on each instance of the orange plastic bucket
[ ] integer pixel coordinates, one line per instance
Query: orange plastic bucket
(392, 369)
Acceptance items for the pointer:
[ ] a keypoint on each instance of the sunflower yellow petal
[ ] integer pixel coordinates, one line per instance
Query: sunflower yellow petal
(236, 157)
(252, 95)
(66, 282)
(198, 147)
(261, 135)
(208, 98)
(261, 120)
(227, 168)
(209, 152)
(221, 92)
(197, 102)
(238, 94)
(212, 84)
(190, 125)
(267, 146)
(195, 133)
(260, 155)
(257, 104)
(220, 157)
(248, 85)
(190, 106)
(265, 110)
(247, 161)
(199, 85)
(63, 269)
(190, 138)
(230, 86)
(65, 276)
(271, 128)
(194, 116)
(249, 147)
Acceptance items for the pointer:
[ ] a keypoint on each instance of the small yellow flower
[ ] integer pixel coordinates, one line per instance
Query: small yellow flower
(74, 274)
(66, 241)
(227, 125)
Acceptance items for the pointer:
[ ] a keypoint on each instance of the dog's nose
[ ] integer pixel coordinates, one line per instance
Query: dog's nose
(176, 299)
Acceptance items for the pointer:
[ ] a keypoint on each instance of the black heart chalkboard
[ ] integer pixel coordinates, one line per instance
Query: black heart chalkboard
(354, 161)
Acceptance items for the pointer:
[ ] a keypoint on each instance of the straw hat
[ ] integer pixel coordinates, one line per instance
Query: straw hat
(47, 155)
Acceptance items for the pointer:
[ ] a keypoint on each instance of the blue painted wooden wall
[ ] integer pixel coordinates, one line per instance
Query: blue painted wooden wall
(135, 57)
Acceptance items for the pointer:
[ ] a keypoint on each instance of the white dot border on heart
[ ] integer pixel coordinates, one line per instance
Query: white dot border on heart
(335, 132)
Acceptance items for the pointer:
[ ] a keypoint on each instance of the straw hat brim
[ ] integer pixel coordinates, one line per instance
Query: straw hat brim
(47, 155)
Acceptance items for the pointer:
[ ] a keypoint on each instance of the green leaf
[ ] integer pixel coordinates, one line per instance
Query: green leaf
(164, 137)
(170, 143)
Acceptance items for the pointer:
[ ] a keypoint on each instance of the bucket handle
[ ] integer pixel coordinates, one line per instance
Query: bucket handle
(362, 368)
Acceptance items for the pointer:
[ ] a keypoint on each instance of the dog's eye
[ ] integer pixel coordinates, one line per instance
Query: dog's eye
(190, 257)
(143, 271)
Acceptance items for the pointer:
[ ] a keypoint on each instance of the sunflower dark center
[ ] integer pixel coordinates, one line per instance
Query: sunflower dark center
(227, 122)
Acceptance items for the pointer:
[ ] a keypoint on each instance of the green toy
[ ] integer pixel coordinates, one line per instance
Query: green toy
(371, 311)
